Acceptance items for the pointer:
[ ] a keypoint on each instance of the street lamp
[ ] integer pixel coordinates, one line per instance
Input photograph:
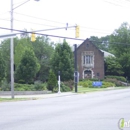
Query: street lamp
(12, 48)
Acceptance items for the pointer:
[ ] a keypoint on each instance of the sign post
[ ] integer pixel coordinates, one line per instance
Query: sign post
(59, 82)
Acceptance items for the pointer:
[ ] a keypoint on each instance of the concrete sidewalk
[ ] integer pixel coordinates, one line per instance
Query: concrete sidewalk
(42, 95)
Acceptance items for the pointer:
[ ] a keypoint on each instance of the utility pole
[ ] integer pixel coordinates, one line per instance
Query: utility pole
(75, 66)
(12, 48)
(12, 54)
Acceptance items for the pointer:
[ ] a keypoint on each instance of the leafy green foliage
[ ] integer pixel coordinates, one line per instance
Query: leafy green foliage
(51, 84)
(43, 50)
(107, 84)
(88, 84)
(115, 81)
(63, 87)
(120, 78)
(85, 83)
(62, 61)
(28, 67)
(120, 45)
(5, 86)
(20, 47)
(69, 83)
(102, 43)
(24, 87)
(112, 66)
(40, 86)
(5, 50)
(2, 67)
(30, 87)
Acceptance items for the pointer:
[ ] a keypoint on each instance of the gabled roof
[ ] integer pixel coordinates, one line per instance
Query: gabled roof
(106, 54)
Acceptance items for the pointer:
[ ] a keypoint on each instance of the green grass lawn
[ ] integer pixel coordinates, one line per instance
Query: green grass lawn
(85, 90)
(15, 99)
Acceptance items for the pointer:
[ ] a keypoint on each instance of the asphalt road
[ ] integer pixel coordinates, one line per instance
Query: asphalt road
(93, 111)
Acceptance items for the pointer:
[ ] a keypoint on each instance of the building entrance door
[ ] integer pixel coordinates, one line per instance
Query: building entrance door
(87, 74)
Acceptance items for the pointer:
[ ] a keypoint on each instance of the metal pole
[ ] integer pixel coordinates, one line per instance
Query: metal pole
(75, 66)
(12, 49)
(21, 4)
(12, 54)
(59, 82)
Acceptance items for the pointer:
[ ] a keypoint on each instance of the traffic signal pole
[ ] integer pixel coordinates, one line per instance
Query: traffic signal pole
(75, 66)
(12, 54)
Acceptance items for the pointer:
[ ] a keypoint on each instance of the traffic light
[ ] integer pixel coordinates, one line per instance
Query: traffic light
(77, 31)
(33, 37)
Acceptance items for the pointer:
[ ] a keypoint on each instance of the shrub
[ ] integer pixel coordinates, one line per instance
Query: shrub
(21, 81)
(120, 78)
(24, 87)
(115, 81)
(63, 88)
(30, 87)
(69, 83)
(85, 83)
(107, 84)
(39, 86)
(51, 81)
(88, 83)
(5, 86)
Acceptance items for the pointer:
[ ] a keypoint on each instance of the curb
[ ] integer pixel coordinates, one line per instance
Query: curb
(41, 96)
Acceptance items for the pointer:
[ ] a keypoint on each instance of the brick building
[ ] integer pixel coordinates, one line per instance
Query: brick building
(90, 61)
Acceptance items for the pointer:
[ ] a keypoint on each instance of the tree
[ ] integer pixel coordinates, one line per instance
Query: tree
(51, 81)
(43, 49)
(20, 47)
(101, 43)
(120, 46)
(2, 67)
(113, 67)
(62, 61)
(28, 67)
(5, 50)
(120, 40)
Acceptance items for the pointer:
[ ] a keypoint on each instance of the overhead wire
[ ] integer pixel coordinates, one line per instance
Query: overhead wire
(33, 23)
(57, 21)
(21, 31)
(119, 3)
(4, 13)
(42, 34)
(4, 19)
(39, 18)
(81, 30)
(82, 27)
(95, 31)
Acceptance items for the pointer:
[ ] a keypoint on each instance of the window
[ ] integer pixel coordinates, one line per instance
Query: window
(87, 45)
(88, 59)
(98, 74)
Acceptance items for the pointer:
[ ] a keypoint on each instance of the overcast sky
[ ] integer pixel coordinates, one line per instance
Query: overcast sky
(95, 17)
